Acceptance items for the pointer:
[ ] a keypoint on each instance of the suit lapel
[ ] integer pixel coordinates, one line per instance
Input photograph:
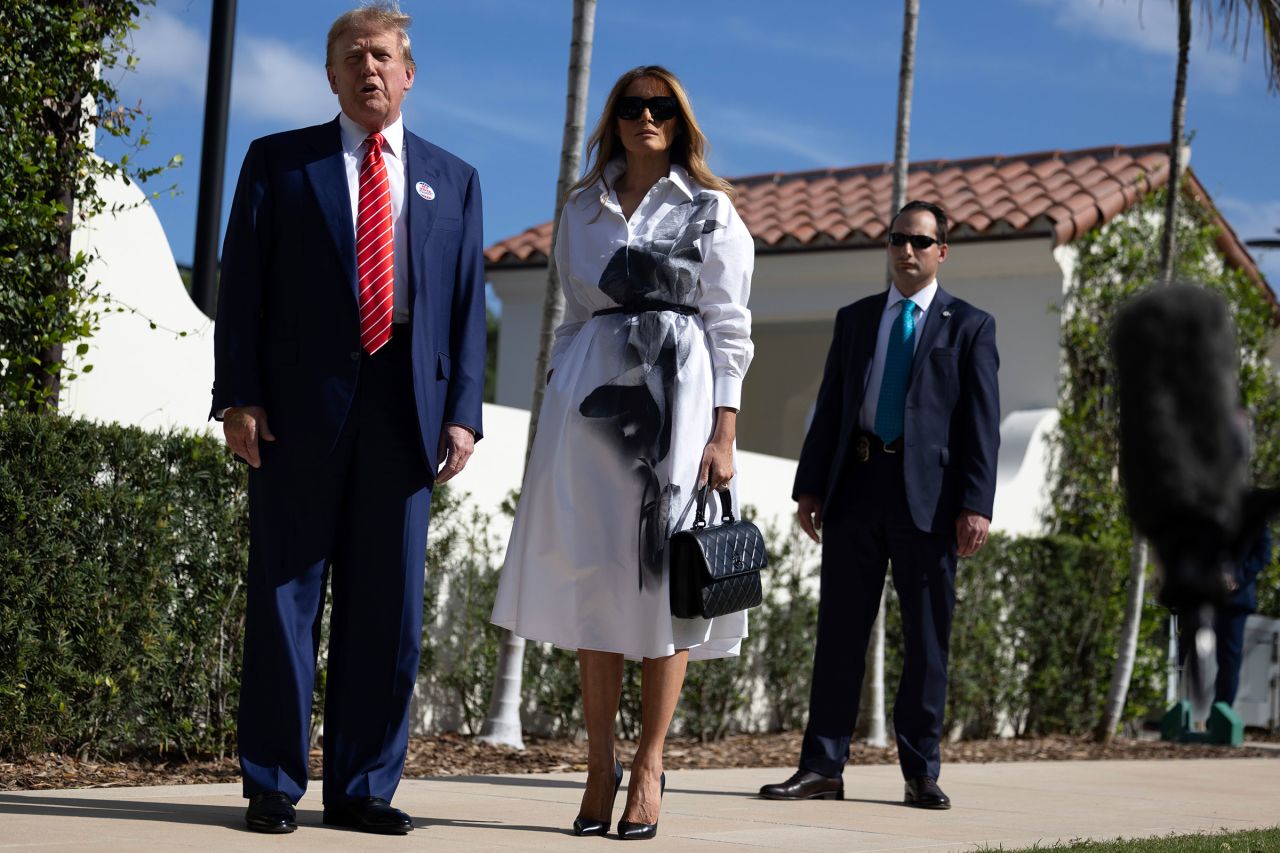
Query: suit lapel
(938, 317)
(865, 332)
(328, 177)
(420, 212)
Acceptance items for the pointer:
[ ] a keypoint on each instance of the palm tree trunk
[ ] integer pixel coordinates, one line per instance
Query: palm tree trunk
(1122, 670)
(906, 79)
(1168, 247)
(875, 731)
(873, 686)
(502, 724)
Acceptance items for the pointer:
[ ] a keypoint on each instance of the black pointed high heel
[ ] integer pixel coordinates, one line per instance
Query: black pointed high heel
(630, 831)
(591, 826)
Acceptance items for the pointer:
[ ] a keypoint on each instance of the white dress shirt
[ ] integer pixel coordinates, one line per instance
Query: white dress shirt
(593, 229)
(892, 308)
(353, 152)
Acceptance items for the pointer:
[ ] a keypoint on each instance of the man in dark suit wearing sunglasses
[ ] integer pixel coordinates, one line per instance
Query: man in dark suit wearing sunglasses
(899, 467)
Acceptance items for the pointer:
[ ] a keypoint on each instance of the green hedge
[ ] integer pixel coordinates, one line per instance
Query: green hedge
(122, 558)
(122, 565)
(122, 555)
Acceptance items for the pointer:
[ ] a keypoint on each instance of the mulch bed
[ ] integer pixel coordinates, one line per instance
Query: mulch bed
(459, 755)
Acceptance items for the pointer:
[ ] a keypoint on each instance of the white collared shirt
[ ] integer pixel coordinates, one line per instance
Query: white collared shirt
(892, 308)
(593, 229)
(353, 152)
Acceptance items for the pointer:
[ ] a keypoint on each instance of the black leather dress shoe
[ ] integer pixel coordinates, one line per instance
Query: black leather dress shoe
(805, 785)
(924, 793)
(372, 814)
(271, 812)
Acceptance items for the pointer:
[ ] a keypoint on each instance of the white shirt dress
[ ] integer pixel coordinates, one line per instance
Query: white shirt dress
(627, 413)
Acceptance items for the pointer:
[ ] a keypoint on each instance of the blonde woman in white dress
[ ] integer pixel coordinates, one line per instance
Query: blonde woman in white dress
(640, 408)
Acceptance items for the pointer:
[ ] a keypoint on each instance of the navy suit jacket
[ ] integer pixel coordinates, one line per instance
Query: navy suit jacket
(1258, 557)
(952, 425)
(287, 336)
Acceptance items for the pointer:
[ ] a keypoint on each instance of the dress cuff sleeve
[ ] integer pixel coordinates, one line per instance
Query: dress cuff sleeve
(728, 392)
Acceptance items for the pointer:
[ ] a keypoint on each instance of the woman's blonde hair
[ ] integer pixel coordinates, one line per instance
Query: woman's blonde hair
(688, 149)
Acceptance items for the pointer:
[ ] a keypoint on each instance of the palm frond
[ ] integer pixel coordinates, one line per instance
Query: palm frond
(1235, 14)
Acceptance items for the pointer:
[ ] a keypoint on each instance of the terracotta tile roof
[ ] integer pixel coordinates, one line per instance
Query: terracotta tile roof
(1057, 194)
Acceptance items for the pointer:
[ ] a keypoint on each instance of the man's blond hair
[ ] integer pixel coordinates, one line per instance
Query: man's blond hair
(376, 16)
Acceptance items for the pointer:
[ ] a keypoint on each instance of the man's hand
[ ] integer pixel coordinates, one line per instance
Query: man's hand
(971, 533)
(456, 445)
(809, 511)
(242, 426)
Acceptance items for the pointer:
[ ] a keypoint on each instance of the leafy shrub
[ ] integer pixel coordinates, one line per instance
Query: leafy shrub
(122, 565)
(122, 555)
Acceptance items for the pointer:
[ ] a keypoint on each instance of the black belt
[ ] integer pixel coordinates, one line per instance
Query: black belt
(865, 444)
(644, 306)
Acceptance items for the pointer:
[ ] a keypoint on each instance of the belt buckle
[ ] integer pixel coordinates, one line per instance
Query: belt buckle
(862, 447)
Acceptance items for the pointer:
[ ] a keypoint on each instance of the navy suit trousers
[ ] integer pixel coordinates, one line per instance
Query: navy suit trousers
(358, 519)
(867, 527)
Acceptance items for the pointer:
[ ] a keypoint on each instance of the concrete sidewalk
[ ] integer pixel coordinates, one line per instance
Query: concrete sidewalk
(1009, 805)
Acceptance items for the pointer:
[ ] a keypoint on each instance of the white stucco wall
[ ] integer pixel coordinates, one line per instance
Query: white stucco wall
(156, 378)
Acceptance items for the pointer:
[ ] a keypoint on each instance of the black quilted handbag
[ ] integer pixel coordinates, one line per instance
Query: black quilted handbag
(716, 570)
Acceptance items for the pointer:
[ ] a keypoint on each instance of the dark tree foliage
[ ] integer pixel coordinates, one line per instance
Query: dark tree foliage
(56, 91)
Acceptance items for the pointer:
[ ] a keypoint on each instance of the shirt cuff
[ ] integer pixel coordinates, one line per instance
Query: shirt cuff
(728, 392)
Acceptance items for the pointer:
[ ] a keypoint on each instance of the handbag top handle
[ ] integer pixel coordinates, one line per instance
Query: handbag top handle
(726, 507)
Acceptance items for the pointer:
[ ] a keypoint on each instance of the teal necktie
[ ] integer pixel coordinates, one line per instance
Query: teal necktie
(897, 369)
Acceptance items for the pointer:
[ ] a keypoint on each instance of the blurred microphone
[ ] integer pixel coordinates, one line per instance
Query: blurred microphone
(1184, 448)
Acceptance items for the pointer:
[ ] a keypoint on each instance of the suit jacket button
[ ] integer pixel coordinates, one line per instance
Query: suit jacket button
(355, 356)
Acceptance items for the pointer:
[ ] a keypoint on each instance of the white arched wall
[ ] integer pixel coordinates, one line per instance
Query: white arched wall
(157, 378)
(1022, 472)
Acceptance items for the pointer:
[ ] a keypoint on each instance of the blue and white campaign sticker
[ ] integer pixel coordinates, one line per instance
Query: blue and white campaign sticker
(424, 190)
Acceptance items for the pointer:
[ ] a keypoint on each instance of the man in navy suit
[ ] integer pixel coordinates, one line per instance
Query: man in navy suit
(899, 466)
(350, 349)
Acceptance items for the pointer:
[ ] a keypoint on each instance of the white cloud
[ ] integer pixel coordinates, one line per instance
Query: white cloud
(818, 146)
(1151, 26)
(275, 81)
(270, 79)
(1253, 219)
(434, 107)
(172, 58)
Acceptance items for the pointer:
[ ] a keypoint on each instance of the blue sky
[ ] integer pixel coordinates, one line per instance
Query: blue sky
(777, 86)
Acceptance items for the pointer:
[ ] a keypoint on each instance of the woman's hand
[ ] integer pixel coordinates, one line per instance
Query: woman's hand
(717, 456)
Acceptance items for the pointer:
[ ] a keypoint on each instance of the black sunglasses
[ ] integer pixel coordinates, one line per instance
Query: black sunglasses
(919, 242)
(660, 108)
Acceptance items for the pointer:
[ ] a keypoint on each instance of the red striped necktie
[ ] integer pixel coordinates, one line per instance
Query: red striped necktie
(375, 262)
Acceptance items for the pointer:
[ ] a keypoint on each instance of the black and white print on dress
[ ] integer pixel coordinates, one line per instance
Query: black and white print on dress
(635, 406)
